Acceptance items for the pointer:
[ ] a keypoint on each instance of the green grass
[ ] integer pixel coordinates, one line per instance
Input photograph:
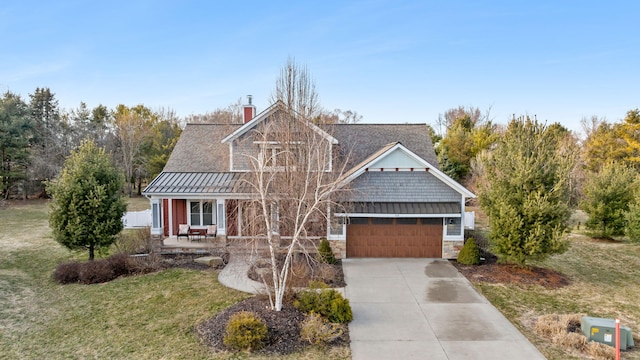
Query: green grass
(605, 282)
(138, 203)
(141, 317)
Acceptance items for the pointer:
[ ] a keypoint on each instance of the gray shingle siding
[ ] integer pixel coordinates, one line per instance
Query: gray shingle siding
(243, 148)
(401, 186)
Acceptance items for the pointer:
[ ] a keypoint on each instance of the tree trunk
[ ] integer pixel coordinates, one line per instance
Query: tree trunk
(91, 252)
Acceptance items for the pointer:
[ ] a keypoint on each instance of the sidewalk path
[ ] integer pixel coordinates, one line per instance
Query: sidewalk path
(234, 275)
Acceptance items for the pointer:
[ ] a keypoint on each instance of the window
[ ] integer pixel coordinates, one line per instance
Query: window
(337, 226)
(382, 221)
(454, 227)
(406, 221)
(155, 215)
(278, 156)
(359, 221)
(202, 213)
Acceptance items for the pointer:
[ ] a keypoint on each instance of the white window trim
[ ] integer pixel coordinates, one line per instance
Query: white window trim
(200, 202)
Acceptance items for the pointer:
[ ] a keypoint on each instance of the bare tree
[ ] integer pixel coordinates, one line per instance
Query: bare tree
(297, 90)
(232, 114)
(338, 116)
(131, 125)
(295, 175)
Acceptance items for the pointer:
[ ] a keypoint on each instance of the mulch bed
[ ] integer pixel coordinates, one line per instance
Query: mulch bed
(494, 273)
(284, 327)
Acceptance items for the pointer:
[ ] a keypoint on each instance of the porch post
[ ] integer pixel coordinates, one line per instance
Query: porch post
(170, 203)
(239, 218)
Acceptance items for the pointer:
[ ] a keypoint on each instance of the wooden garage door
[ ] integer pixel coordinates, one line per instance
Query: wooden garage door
(394, 237)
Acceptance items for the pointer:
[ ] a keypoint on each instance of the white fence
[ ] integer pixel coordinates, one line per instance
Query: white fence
(137, 219)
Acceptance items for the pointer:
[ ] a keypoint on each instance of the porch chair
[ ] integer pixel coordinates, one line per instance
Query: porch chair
(212, 230)
(183, 231)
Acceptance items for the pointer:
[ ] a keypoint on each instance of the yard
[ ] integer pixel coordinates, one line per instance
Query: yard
(141, 317)
(604, 281)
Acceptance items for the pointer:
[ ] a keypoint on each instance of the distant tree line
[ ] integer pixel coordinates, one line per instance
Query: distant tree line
(36, 137)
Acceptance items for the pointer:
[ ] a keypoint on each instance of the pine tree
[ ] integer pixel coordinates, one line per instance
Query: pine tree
(524, 189)
(606, 199)
(87, 207)
(16, 132)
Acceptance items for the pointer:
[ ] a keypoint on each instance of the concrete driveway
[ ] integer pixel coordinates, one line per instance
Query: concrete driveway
(425, 309)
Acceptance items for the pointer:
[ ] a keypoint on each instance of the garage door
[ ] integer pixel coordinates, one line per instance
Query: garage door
(394, 237)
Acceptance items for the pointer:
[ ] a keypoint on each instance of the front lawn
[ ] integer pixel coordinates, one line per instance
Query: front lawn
(143, 317)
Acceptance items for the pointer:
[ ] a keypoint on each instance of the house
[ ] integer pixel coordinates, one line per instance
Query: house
(400, 203)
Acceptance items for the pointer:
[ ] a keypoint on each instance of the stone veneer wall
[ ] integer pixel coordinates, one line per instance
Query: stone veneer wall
(157, 240)
(451, 249)
(339, 248)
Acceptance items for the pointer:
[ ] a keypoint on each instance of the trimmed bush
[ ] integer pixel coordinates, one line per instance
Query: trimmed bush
(96, 271)
(119, 264)
(67, 273)
(328, 303)
(318, 331)
(325, 254)
(245, 331)
(470, 253)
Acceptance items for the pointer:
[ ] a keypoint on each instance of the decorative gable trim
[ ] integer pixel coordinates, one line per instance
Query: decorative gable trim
(264, 115)
(384, 152)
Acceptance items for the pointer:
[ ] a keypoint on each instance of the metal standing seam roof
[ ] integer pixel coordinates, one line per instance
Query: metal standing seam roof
(405, 208)
(197, 183)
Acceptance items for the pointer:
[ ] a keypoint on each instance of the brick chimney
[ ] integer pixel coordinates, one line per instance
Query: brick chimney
(248, 110)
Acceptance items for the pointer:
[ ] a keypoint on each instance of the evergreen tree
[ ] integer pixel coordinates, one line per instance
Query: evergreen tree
(48, 155)
(524, 189)
(16, 132)
(87, 207)
(606, 198)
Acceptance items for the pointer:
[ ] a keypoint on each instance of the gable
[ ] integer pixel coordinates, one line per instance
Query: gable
(396, 159)
(269, 113)
(396, 152)
(361, 141)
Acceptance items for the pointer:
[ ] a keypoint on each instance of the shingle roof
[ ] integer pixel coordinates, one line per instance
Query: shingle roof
(200, 149)
(363, 140)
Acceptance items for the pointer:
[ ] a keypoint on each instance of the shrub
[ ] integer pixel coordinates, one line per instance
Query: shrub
(119, 264)
(318, 331)
(324, 273)
(470, 253)
(328, 303)
(96, 271)
(67, 273)
(245, 331)
(134, 241)
(325, 254)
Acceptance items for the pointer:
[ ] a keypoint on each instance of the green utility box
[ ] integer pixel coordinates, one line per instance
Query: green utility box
(604, 331)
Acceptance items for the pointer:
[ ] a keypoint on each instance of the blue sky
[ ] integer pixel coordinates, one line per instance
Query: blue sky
(391, 61)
